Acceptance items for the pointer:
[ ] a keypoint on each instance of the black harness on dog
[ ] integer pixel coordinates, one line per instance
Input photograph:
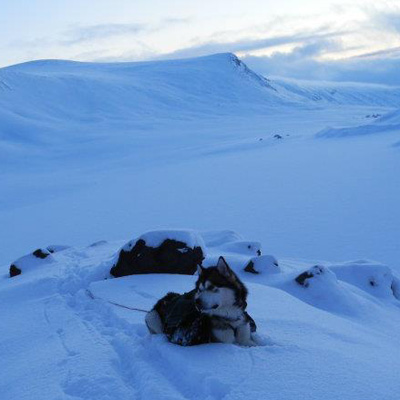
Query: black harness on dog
(183, 323)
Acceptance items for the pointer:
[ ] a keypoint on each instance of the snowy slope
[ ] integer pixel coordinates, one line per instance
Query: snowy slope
(52, 101)
(388, 123)
(339, 93)
(52, 92)
(392, 119)
(91, 151)
(336, 338)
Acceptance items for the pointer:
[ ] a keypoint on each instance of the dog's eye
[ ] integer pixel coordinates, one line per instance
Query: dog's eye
(212, 288)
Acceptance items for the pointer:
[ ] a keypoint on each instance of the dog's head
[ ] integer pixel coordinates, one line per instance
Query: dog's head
(218, 287)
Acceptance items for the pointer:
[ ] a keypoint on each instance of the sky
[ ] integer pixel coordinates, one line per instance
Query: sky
(303, 39)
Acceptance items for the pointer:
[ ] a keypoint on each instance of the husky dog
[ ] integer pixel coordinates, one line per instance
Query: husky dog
(215, 311)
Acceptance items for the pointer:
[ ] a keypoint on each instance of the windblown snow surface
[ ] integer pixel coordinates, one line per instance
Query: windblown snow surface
(109, 151)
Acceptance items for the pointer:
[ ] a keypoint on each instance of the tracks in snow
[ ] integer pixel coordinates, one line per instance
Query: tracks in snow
(110, 355)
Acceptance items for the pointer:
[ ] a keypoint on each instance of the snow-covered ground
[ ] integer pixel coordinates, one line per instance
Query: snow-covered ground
(108, 151)
(65, 337)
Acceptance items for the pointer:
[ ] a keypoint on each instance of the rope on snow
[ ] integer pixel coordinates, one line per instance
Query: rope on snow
(93, 297)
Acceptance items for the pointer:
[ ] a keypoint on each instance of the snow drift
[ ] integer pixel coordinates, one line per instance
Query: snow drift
(71, 333)
(387, 123)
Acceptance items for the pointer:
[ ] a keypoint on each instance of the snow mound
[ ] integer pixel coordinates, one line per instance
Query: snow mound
(320, 287)
(242, 247)
(375, 279)
(265, 264)
(216, 238)
(33, 261)
(155, 238)
(36, 259)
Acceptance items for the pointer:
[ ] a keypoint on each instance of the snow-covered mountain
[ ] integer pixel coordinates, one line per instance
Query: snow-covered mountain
(54, 101)
(46, 94)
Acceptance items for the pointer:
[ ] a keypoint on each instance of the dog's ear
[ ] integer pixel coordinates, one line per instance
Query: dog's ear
(200, 269)
(223, 268)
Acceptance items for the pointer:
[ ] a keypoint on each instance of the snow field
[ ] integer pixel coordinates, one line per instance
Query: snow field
(321, 338)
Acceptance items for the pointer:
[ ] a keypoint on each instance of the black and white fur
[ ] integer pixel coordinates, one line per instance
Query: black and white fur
(220, 299)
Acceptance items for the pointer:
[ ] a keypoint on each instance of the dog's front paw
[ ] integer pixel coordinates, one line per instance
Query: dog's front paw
(248, 343)
(153, 322)
(261, 340)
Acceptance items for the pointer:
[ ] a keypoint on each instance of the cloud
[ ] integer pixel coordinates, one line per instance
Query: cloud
(302, 46)
(105, 31)
(388, 20)
(249, 44)
(393, 52)
(101, 31)
(173, 20)
(141, 52)
(301, 64)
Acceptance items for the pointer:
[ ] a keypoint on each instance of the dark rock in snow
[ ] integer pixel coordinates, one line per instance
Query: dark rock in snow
(14, 271)
(303, 278)
(146, 256)
(395, 288)
(41, 253)
(250, 268)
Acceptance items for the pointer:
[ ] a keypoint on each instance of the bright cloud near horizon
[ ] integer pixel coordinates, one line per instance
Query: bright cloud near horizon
(306, 39)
